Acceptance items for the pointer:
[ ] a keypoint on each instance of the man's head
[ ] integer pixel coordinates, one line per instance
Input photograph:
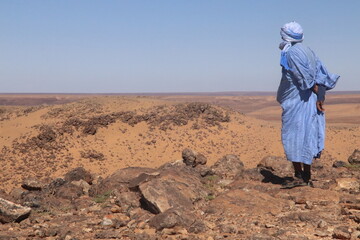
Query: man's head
(292, 32)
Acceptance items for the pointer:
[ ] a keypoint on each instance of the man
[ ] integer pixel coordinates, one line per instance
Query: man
(302, 94)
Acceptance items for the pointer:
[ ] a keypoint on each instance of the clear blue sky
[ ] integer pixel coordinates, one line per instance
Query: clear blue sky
(167, 46)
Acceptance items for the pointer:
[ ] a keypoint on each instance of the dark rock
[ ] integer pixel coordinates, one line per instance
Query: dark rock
(11, 212)
(69, 191)
(253, 174)
(32, 184)
(143, 177)
(53, 186)
(197, 227)
(171, 218)
(192, 158)
(342, 232)
(32, 199)
(355, 157)
(204, 170)
(118, 180)
(339, 164)
(77, 174)
(228, 167)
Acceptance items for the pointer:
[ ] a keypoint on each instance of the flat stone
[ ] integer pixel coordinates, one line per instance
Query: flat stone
(11, 212)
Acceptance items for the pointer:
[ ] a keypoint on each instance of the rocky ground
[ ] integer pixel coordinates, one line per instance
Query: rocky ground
(105, 168)
(188, 199)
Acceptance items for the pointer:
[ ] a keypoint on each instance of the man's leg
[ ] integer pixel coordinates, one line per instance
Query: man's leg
(298, 170)
(307, 173)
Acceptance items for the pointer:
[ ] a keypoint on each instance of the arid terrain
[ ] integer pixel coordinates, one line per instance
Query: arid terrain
(133, 146)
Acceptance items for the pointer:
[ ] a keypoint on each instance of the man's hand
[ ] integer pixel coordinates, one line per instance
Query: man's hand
(315, 88)
(320, 106)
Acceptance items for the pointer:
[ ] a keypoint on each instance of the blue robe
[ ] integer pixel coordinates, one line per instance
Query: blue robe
(303, 126)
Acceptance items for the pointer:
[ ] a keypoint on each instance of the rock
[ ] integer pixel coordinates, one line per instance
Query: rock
(277, 164)
(17, 193)
(355, 157)
(107, 220)
(139, 214)
(143, 177)
(197, 227)
(174, 231)
(171, 218)
(83, 184)
(348, 183)
(53, 186)
(204, 170)
(108, 234)
(228, 228)
(127, 200)
(342, 232)
(32, 184)
(339, 164)
(32, 199)
(69, 191)
(174, 187)
(77, 174)
(321, 224)
(228, 167)
(11, 212)
(192, 158)
(239, 201)
(118, 180)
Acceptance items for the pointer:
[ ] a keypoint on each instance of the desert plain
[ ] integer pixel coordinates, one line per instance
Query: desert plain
(45, 136)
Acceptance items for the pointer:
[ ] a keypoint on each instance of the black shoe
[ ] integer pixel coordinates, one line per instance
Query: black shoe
(295, 183)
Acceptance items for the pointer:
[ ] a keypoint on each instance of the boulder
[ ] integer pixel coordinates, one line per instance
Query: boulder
(355, 157)
(171, 218)
(174, 187)
(118, 180)
(127, 200)
(228, 167)
(279, 165)
(192, 158)
(69, 191)
(32, 184)
(11, 212)
(342, 232)
(77, 174)
(83, 184)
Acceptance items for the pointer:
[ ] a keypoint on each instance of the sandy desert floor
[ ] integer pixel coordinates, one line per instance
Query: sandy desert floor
(46, 135)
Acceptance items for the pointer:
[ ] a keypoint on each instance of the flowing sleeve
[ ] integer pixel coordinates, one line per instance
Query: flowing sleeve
(302, 74)
(323, 77)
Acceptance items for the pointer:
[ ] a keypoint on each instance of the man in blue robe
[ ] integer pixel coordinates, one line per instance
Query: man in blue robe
(301, 95)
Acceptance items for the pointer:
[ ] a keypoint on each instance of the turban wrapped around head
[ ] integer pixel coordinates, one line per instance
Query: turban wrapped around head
(291, 32)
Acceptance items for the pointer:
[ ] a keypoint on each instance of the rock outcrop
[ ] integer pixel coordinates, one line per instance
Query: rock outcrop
(355, 157)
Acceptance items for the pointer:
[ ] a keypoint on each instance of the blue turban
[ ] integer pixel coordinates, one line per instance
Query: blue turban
(291, 32)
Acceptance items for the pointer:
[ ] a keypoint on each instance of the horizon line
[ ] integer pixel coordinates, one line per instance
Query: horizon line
(228, 93)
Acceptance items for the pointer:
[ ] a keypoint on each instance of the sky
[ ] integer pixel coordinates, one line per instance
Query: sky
(133, 46)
